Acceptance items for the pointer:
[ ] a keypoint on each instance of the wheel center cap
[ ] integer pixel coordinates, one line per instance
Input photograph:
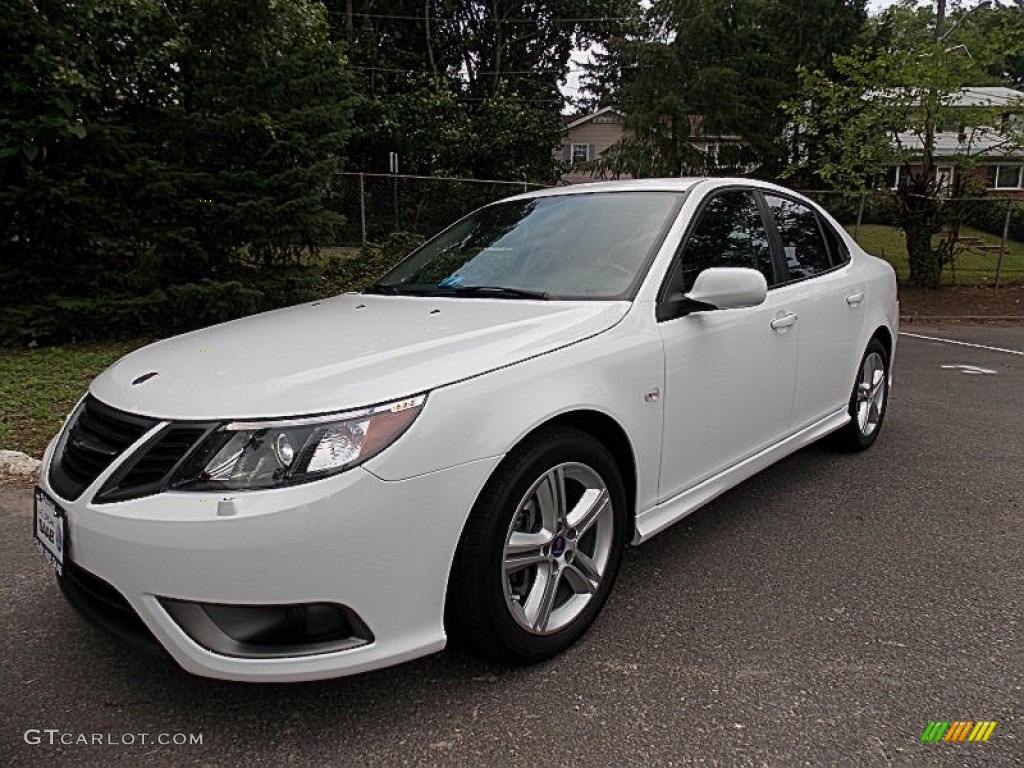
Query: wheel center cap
(558, 546)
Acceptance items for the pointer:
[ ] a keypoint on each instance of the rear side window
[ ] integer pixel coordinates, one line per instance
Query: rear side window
(803, 247)
(836, 245)
(729, 233)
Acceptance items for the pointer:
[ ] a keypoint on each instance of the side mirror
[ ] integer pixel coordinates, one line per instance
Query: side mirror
(718, 288)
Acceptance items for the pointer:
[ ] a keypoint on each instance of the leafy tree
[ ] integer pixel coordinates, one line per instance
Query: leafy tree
(146, 143)
(697, 68)
(887, 106)
(466, 87)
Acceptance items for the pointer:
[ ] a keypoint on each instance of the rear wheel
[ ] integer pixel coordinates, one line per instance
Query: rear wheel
(868, 401)
(541, 549)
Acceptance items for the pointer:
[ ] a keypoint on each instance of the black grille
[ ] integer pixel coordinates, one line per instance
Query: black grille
(154, 464)
(96, 436)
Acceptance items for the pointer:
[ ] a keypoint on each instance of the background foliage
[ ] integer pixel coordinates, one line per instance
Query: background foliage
(166, 164)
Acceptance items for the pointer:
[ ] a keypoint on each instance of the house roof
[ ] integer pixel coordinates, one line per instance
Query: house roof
(984, 143)
(989, 96)
(586, 118)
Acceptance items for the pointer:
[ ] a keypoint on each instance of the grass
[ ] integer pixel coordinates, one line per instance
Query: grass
(38, 387)
(972, 267)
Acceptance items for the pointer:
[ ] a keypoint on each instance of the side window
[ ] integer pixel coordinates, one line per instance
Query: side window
(729, 233)
(836, 245)
(803, 248)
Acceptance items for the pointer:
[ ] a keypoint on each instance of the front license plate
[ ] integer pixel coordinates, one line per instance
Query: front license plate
(51, 532)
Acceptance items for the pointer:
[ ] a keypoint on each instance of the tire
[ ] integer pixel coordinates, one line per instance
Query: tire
(868, 401)
(564, 557)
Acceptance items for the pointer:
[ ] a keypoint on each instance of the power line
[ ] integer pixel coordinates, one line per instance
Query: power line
(480, 72)
(492, 20)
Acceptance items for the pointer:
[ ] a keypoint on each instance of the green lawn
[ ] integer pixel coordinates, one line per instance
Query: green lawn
(972, 266)
(39, 386)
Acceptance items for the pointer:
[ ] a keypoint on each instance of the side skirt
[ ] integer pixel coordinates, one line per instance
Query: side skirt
(659, 517)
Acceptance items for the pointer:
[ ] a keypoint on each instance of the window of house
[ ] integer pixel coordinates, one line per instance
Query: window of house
(1004, 176)
(573, 154)
(892, 176)
(803, 247)
(729, 233)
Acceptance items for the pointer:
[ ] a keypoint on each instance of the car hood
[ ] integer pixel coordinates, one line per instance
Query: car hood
(346, 352)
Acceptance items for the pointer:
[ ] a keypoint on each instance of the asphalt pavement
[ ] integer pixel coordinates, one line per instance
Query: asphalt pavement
(822, 613)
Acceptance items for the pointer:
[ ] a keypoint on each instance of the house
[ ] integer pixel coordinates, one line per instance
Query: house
(1000, 159)
(590, 136)
(586, 140)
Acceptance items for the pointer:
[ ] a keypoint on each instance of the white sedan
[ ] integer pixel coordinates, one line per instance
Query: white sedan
(466, 447)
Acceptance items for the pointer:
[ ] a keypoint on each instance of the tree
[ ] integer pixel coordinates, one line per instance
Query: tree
(887, 106)
(466, 87)
(697, 68)
(152, 143)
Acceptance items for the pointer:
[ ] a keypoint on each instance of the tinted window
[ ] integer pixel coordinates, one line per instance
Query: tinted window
(836, 245)
(729, 233)
(570, 246)
(803, 248)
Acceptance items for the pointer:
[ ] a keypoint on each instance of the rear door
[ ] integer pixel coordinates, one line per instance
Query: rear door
(729, 374)
(821, 288)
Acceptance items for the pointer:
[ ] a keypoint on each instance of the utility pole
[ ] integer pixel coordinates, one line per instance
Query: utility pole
(940, 19)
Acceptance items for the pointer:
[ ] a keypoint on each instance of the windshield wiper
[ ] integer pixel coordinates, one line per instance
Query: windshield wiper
(499, 291)
(388, 290)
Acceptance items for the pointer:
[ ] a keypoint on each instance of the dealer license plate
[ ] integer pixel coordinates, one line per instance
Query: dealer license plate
(51, 531)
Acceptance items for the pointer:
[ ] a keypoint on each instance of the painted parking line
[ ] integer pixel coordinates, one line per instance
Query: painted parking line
(963, 343)
(970, 370)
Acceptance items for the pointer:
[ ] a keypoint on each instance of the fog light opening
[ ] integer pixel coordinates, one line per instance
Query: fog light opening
(270, 631)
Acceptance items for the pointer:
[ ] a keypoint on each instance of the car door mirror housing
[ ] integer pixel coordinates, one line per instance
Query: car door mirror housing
(717, 288)
(729, 288)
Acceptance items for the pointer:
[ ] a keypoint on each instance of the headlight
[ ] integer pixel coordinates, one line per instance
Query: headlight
(264, 454)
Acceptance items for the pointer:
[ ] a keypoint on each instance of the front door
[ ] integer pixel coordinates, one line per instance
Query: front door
(729, 374)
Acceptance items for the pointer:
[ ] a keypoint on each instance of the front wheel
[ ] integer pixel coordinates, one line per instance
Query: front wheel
(541, 549)
(868, 401)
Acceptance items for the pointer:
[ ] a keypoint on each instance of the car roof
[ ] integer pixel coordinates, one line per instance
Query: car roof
(683, 184)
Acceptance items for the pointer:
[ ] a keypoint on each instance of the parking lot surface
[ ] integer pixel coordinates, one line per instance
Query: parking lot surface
(822, 613)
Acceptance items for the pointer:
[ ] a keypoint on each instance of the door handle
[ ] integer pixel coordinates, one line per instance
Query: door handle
(781, 323)
(855, 298)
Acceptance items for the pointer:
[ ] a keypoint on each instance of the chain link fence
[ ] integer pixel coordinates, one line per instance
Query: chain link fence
(990, 246)
(990, 238)
(377, 205)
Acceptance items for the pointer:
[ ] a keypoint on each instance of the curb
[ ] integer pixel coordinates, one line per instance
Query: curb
(18, 466)
(963, 318)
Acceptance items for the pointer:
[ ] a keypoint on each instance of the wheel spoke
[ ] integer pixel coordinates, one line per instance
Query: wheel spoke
(520, 543)
(515, 563)
(541, 601)
(877, 389)
(590, 507)
(551, 498)
(582, 574)
(525, 549)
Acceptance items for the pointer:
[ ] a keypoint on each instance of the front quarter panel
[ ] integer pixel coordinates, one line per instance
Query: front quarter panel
(486, 416)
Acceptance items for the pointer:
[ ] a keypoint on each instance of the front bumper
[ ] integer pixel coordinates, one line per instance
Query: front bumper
(381, 548)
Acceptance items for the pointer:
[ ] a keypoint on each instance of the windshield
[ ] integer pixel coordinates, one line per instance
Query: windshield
(580, 246)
